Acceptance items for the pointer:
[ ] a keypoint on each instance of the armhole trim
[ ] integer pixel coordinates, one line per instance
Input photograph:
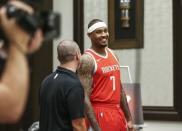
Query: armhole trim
(113, 55)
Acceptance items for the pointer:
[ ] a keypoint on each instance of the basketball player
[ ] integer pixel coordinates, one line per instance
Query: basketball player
(99, 72)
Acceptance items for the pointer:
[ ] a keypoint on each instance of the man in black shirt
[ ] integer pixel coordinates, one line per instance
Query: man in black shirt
(62, 95)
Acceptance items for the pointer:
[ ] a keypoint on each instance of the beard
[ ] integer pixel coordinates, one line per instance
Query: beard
(102, 45)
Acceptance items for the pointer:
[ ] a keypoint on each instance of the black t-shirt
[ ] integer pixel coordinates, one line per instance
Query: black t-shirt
(61, 100)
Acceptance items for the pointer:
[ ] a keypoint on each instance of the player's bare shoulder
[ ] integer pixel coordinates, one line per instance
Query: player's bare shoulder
(85, 72)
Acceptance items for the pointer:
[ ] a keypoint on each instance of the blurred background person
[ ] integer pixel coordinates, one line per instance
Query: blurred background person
(15, 75)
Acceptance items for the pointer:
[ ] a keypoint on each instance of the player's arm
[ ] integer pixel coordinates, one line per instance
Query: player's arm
(79, 124)
(125, 107)
(126, 110)
(85, 72)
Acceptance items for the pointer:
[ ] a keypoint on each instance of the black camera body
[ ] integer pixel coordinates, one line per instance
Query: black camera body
(47, 21)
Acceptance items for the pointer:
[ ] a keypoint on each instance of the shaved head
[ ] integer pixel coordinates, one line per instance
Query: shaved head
(67, 50)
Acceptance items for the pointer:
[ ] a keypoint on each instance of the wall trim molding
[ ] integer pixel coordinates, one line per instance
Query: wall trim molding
(161, 113)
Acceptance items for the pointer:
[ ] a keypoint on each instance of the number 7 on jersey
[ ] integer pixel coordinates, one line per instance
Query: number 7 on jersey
(112, 78)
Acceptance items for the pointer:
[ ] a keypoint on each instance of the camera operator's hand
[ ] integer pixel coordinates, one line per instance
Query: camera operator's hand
(17, 36)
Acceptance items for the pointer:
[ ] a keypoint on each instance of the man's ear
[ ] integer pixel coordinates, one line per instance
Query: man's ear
(78, 55)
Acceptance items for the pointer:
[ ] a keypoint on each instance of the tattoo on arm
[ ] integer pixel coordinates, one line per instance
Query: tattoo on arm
(85, 72)
(91, 115)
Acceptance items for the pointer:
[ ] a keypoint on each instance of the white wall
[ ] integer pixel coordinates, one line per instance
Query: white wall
(65, 8)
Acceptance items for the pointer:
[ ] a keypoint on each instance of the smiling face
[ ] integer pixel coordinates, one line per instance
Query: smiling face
(99, 37)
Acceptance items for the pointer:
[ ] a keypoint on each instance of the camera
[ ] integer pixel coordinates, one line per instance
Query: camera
(47, 21)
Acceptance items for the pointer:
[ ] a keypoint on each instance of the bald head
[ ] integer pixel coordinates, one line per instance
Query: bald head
(67, 50)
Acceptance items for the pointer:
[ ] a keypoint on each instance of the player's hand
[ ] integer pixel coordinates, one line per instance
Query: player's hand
(131, 126)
